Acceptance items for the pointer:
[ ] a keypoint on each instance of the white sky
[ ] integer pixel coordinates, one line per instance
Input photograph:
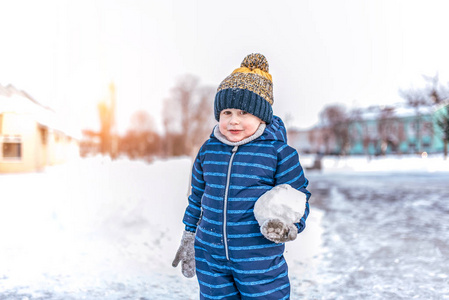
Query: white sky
(65, 53)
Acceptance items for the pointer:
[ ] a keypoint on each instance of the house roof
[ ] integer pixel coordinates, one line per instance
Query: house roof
(397, 111)
(17, 101)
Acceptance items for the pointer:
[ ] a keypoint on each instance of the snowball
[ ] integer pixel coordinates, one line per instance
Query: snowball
(281, 202)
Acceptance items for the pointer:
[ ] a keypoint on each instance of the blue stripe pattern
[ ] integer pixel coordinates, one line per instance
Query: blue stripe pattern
(256, 267)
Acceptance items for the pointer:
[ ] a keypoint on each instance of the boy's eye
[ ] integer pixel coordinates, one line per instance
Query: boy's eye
(226, 112)
(242, 112)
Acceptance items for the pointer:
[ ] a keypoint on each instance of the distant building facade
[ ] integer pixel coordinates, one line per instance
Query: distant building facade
(30, 137)
(376, 132)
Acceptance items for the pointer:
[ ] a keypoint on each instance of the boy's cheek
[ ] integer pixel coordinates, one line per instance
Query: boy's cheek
(222, 129)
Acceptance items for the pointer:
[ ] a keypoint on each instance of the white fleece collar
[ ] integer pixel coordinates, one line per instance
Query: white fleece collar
(224, 140)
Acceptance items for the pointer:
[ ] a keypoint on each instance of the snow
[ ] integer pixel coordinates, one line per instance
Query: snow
(388, 164)
(93, 227)
(383, 235)
(101, 229)
(281, 202)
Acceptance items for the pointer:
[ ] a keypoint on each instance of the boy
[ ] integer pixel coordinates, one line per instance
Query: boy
(235, 256)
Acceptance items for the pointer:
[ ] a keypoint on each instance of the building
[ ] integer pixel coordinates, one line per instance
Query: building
(301, 140)
(376, 131)
(30, 135)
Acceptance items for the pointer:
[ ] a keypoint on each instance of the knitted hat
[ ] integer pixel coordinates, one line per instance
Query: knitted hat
(249, 88)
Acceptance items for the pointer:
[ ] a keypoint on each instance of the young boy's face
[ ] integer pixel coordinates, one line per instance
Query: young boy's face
(236, 124)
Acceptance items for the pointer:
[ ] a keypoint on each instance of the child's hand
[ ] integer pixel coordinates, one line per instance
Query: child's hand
(186, 254)
(277, 231)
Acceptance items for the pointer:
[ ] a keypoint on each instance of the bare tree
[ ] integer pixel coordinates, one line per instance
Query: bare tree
(385, 129)
(141, 121)
(335, 121)
(442, 119)
(141, 140)
(434, 90)
(416, 99)
(431, 94)
(187, 116)
(203, 117)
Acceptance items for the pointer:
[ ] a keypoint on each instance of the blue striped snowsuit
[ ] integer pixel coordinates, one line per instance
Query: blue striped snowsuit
(233, 259)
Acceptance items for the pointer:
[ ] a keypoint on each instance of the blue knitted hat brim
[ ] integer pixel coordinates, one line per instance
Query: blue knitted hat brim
(245, 100)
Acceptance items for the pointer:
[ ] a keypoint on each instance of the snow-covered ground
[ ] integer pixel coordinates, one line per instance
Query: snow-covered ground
(93, 229)
(385, 164)
(101, 229)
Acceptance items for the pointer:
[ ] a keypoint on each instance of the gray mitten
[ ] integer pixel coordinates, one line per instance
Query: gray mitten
(277, 231)
(186, 254)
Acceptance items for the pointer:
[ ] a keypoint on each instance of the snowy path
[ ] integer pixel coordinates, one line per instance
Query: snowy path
(385, 235)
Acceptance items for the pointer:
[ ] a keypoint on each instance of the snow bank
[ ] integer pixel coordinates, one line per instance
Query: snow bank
(390, 164)
(96, 229)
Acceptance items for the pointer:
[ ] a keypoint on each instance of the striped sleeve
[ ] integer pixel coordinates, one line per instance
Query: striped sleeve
(193, 211)
(289, 171)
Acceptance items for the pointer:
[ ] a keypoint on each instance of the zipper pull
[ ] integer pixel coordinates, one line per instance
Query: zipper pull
(235, 149)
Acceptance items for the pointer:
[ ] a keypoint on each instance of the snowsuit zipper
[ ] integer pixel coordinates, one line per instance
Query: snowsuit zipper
(225, 209)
